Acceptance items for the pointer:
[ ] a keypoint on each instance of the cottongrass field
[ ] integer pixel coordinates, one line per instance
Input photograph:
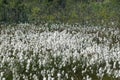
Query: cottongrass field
(59, 52)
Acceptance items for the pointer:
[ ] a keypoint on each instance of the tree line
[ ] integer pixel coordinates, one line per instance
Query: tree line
(83, 11)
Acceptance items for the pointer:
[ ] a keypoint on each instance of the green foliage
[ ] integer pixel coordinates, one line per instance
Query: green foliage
(35, 13)
(91, 12)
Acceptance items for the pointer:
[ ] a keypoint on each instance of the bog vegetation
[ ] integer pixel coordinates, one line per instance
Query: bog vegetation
(59, 52)
(60, 40)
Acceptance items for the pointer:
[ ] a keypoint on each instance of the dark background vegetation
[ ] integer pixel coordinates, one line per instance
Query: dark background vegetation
(86, 12)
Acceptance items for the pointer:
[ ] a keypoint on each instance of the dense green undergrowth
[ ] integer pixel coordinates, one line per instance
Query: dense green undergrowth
(85, 12)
